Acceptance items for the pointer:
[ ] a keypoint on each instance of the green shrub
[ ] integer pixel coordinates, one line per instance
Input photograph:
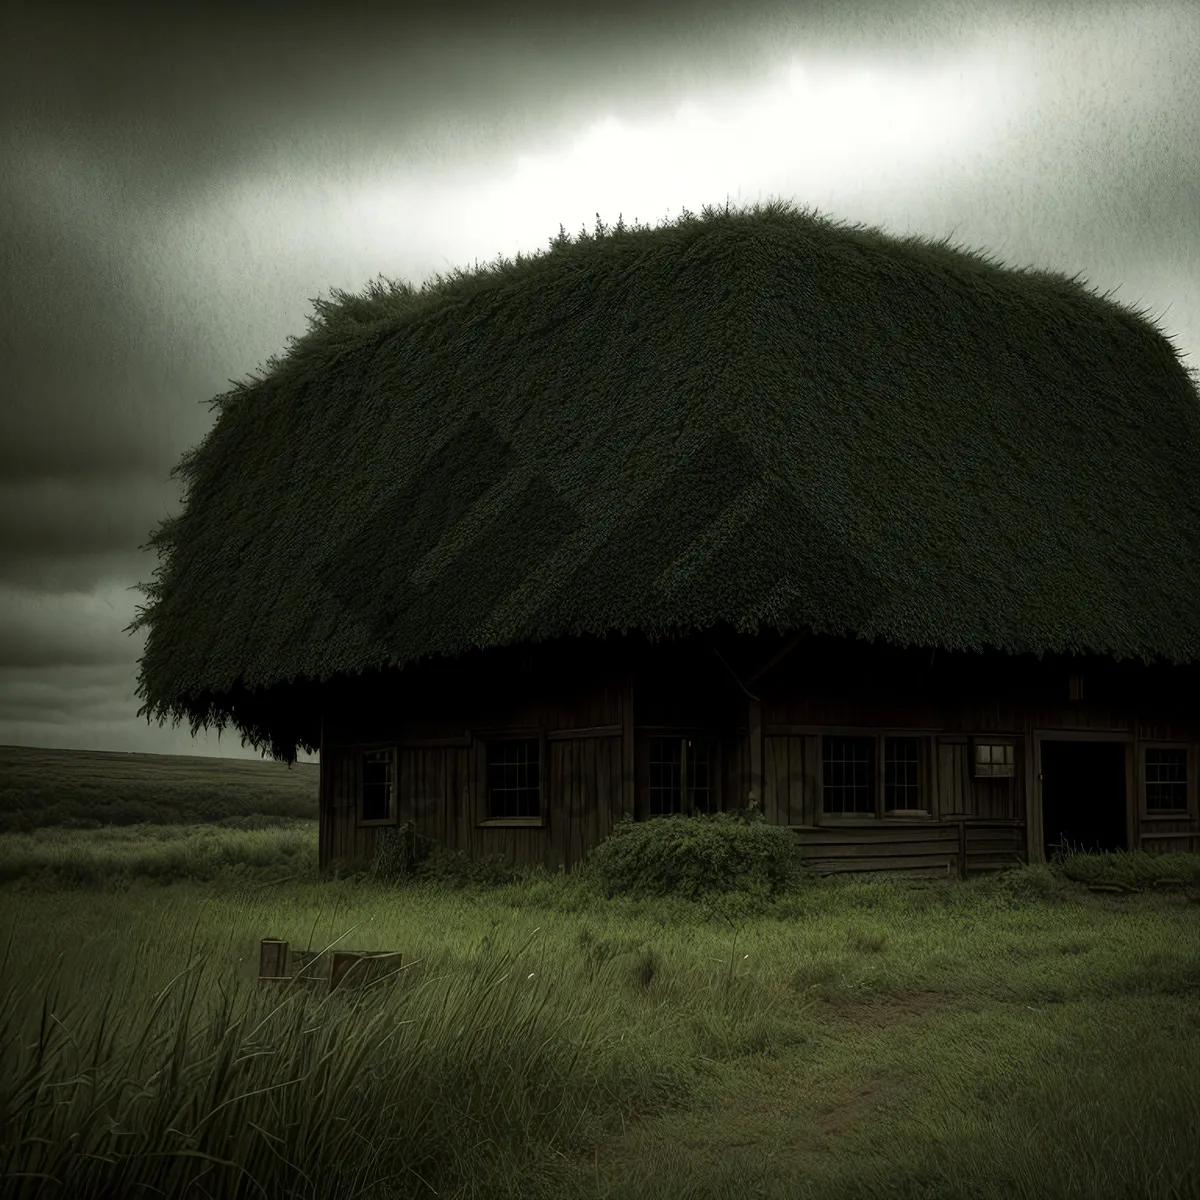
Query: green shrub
(695, 855)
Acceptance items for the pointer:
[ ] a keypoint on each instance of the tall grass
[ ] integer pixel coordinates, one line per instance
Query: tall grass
(689, 1015)
(579, 1036)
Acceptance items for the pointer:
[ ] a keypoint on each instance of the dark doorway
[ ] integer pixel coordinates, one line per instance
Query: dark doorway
(1083, 796)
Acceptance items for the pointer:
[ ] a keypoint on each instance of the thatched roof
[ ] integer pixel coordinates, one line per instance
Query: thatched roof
(759, 417)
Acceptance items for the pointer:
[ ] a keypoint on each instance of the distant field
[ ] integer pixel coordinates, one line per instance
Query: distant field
(88, 789)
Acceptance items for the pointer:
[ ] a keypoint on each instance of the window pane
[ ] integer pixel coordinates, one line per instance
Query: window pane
(664, 776)
(377, 785)
(900, 773)
(514, 778)
(849, 774)
(1166, 780)
(993, 760)
(676, 764)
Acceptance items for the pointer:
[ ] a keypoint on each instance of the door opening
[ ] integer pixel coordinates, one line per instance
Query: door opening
(1083, 797)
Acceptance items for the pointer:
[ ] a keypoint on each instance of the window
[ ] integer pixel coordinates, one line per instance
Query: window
(901, 772)
(679, 776)
(849, 770)
(993, 760)
(514, 778)
(1166, 780)
(851, 784)
(377, 776)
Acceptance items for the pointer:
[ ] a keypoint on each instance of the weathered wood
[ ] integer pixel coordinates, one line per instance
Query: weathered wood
(281, 966)
(272, 958)
(577, 702)
(359, 969)
(754, 717)
(628, 792)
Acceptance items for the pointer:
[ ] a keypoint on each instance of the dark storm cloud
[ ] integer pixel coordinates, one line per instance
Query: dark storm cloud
(176, 184)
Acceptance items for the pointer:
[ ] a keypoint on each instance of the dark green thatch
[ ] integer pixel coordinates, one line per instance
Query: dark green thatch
(760, 418)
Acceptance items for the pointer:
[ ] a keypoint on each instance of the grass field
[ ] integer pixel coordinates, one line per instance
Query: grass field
(1014, 1036)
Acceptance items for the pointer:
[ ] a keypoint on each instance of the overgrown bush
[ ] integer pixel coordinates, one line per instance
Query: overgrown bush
(692, 856)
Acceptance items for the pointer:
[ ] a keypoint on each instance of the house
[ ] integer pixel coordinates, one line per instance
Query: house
(751, 508)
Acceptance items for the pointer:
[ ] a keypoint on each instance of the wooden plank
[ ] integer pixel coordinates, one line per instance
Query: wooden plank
(833, 835)
(627, 748)
(874, 850)
(1131, 804)
(813, 779)
(941, 864)
(754, 717)
(955, 784)
(899, 729)
(596, 731)
(324, 806)
(358, 969)
(791, 780)
(776, 802)
(592, 818)
(272, 958)
(738, 771)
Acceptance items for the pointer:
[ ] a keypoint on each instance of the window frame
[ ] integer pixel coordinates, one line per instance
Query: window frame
(709, 742)
(487, 738)
(393, 781)
(1166, 814)
(977, 761)
(717, 762)
(880, 738)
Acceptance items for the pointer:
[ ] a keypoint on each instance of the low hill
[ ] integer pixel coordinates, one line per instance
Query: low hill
(92, 788)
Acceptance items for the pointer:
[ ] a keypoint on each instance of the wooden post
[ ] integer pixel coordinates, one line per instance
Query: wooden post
(754, 726)
(324, 806)
(272, 959)
(1136, 776)
(628, 793)
(962, 849)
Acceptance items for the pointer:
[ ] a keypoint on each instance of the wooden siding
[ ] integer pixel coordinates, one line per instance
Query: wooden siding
(586, 797)
(913, 847)
(578, 700)
(985, 834)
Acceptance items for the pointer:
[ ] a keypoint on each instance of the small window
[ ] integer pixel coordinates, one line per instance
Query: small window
(679, 776)
(514, 778)
(901, 773)
(993, 760)
(377, 778)
(849, 774)
(1166, 780)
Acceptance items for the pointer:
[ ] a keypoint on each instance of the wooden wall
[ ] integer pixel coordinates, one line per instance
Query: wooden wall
(594, 705)
(441, 764)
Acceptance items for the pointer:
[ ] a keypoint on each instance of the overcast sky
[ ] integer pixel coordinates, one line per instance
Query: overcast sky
(174, 191)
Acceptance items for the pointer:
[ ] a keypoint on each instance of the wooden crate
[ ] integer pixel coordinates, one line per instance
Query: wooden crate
(279, 965)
